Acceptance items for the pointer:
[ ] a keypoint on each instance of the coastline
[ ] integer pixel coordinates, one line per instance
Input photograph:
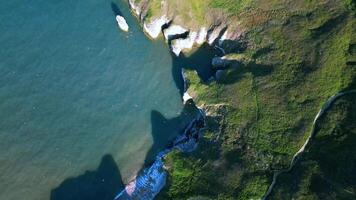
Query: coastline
(182, 39)
(152, 179)
(147, 184)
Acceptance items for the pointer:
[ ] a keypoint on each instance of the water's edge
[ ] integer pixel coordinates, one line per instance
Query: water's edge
(151, 180)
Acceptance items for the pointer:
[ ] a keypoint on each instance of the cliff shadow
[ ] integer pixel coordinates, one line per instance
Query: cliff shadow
(199, 60)
(103, 183)
(162, 130)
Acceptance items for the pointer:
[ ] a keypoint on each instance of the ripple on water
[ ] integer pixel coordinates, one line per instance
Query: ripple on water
(79, 99)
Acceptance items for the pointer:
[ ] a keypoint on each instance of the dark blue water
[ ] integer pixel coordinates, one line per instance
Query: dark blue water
(77, 93)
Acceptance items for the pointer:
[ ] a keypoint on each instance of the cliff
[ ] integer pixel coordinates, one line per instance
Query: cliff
(283, 60)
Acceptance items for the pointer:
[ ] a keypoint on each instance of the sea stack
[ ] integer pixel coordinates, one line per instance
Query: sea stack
(122, 23)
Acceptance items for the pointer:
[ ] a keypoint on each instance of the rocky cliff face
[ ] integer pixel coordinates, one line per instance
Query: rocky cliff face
(183, 36)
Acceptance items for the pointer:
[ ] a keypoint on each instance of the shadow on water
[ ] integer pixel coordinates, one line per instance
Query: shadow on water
(103, 183)
(106, 182)
(115, 9)
(162, 133)
(199, 60)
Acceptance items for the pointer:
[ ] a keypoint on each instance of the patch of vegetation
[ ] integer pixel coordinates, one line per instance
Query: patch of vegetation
(187, 13)
(188, 178)
(298, 54)
(233, 7)
(154, 9)
(327, 170)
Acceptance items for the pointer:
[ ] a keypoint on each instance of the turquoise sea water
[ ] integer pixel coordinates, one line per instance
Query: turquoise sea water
(83, 105)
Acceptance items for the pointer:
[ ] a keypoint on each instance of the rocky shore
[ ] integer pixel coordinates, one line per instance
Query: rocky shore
(151, 180)
(181, 38)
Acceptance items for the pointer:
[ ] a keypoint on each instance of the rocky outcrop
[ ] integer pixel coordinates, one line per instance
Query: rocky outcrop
(181, 44)
(154, 28)
(188, 141)
(180, 38)
(230, 35)
(221, 63)
(201, 37)
(174, 31)
(219, 74)
(134, 7)
(186, 97)
(193, 38)
(215, 32)
(148, 184)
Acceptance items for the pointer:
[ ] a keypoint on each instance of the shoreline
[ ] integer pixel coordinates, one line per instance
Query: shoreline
(149, 183)
(152, 179)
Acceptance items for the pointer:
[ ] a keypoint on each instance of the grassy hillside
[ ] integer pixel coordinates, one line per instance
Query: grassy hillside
(327, 171)
(292, 57)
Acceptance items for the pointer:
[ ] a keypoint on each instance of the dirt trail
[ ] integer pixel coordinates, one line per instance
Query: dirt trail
(297, 155)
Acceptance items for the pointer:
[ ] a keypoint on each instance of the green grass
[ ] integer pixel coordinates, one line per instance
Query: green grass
(233, 7)
(297, 57)
(188, 178)
(187, 13)
(327, 169)
(154, 9)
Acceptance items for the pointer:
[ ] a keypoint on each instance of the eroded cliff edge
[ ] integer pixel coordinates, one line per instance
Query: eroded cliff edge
(283, 60)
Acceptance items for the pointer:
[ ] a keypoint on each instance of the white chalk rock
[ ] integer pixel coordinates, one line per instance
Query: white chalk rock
(173, 30)
(187, 43)
(122, 23)
(223, 38)
(186, 97)
(215, 34)
(181, 44)
(201, 38)
(135, 7)
(154, 28)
